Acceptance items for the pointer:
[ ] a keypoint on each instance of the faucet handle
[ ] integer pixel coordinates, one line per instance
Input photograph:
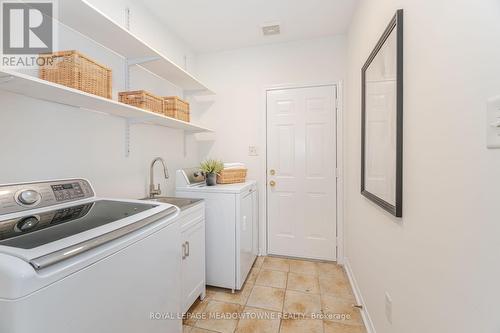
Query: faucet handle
(153, 190)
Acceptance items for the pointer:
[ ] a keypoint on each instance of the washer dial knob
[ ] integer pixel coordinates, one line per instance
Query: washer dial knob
(29, 197)
(28, 223)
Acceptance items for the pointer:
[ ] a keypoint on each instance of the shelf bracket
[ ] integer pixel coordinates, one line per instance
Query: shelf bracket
(132, 62)
(127, 138)
(127, 75)
(184, 144)
(141, 60)
(129, 123)
(127, 18)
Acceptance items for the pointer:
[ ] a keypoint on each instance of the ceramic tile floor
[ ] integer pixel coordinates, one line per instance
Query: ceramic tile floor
(281, 296)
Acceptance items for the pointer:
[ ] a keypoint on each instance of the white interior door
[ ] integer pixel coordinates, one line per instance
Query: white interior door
(301, 176)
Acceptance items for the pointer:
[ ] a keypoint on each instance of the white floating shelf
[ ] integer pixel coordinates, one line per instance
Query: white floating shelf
(91, 22)
(44, 90)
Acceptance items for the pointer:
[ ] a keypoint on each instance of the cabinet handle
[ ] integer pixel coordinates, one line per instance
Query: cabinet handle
(188, 249)
(183, 251)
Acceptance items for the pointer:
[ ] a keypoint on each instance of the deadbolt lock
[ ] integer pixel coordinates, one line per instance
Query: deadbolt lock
(272, 172)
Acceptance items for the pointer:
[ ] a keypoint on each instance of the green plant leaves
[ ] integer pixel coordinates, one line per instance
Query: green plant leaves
(211, 166)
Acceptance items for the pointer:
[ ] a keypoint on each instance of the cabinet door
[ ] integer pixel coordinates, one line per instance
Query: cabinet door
(255, 223)
(193, 264)
(246, 235)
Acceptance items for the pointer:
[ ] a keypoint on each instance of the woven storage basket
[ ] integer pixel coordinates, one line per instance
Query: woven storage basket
(75, 70)
(176, 108)
(232, 176)
(142, 99)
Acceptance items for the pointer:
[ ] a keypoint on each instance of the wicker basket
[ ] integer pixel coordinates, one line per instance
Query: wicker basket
(176, 108)
(75, 70)
(232, 176)
(142, 99)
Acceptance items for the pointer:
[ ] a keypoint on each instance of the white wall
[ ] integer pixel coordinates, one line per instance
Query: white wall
(43, 140)
(147, 26)
(440, 261)
(240, 77)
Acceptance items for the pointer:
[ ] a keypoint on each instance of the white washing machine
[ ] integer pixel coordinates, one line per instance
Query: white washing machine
(231, 219)
(71, 262)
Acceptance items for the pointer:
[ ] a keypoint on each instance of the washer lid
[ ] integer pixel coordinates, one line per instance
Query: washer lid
(221, 188)
(32, 231)
(26, 270)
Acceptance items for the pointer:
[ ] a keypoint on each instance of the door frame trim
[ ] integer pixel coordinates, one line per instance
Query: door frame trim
(264, 224)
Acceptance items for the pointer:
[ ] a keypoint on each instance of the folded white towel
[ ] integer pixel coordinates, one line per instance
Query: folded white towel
(234, 165)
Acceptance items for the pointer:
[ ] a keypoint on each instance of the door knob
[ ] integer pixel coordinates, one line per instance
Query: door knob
(272, 183)
(272, 172)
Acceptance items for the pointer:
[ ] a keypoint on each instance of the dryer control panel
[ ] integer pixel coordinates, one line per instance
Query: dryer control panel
(21, 197)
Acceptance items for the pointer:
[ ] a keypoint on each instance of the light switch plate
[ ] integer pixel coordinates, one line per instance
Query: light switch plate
(493, 122)
(252, 151)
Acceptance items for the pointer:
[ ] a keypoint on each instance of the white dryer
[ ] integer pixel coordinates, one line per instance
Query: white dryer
(231, 226)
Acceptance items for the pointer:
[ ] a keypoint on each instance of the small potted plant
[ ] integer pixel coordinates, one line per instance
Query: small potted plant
(210, 169)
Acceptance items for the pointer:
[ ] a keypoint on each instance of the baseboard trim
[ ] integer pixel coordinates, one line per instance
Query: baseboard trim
(359, 298)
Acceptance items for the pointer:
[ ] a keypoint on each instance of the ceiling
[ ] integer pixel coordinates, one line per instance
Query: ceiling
(215, 25)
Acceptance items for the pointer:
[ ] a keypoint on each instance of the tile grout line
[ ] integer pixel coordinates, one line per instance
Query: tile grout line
(317, 276)
(244, 305)
(284, 297)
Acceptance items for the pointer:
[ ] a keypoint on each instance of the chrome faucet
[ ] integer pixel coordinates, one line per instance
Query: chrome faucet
(152, 189)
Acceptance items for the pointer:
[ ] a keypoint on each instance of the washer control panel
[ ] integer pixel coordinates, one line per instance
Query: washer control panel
(20, 197)
(68, 191)
(29, 197)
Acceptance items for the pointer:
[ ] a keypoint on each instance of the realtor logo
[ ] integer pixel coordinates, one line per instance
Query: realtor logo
(27, 27)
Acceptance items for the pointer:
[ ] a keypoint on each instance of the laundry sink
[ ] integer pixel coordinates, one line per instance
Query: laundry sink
(182, 203)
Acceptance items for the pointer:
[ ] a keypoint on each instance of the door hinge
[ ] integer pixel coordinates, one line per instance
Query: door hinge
(337, 173)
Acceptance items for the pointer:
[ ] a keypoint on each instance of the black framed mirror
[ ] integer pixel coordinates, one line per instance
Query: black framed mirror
(382, 120)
